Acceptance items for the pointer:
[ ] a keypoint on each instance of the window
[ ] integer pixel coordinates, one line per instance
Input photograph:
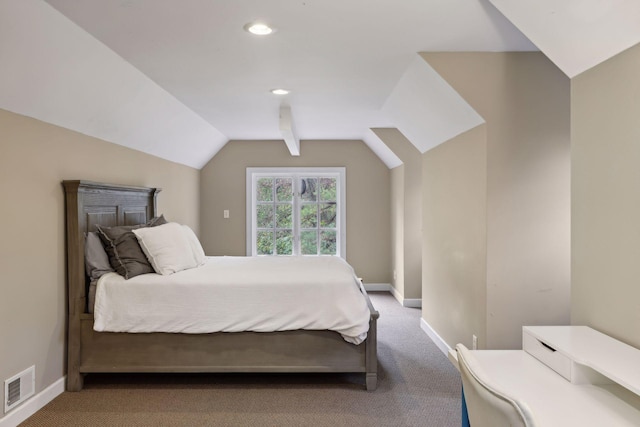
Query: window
(296, 211)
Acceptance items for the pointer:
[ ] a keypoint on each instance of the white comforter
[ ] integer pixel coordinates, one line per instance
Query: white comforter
(233, 294)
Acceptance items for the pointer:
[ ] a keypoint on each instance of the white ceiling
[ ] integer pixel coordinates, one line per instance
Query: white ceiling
(52, 70)
(426, 109)
(576, 34)
(341, 59)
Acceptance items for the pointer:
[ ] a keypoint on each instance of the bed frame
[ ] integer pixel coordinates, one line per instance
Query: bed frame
(89, 204)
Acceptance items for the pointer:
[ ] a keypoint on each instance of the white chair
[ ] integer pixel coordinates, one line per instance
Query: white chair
(487, 406)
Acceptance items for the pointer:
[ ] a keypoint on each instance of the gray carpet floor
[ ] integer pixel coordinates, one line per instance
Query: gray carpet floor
(417, 386)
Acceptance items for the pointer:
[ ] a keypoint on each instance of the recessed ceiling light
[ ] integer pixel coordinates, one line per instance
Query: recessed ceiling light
(258, 28)
(279, 91)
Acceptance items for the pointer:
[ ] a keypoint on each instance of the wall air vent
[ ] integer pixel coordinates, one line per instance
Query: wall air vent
(19, 388)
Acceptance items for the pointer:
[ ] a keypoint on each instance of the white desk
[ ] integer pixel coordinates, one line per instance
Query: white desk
(596, 398)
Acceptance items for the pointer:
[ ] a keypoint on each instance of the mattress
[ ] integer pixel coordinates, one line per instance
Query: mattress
(233, 294)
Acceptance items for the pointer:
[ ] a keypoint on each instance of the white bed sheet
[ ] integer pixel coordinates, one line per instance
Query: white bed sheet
(233, 294)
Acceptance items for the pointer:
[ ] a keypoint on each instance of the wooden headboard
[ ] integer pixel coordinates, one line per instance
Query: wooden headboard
(88, 204)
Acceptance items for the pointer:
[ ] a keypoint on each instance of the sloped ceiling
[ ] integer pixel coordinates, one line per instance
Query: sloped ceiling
(426, 109)
(54, 71)
(177, 79)
(576, 34)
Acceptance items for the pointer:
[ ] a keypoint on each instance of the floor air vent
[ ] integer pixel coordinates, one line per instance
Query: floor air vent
(19, 388)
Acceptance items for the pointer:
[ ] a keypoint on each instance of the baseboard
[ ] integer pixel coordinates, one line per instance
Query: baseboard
(397, 295)
(405, 302)
(412, 302)
(33, 404)
(377, 287)
(437, 340)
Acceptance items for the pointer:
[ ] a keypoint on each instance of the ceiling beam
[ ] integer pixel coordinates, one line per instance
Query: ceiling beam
(288, 131)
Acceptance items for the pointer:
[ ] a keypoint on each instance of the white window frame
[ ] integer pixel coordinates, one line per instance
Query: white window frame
(253, 174)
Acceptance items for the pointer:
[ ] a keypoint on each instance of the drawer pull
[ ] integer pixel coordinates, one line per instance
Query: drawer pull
(548, 347)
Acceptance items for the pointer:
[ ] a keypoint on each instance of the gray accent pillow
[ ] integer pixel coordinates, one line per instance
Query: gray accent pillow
(125, 255)
(158, 220)
(96, 259)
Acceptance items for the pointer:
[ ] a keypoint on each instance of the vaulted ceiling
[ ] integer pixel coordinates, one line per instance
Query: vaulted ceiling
(178, 79)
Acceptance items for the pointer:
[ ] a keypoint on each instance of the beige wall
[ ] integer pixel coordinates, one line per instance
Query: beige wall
(397, 229)
(411, 287)
(524, 99)
(455, 242)
(605, 117)
(222, 186)
(34, 158)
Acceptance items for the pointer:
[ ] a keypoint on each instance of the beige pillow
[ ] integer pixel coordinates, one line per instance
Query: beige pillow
(198, 252)
(167, 248)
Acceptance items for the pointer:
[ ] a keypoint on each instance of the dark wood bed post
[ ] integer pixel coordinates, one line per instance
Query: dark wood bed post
(78, 222)
(76, 291)
(371, 351)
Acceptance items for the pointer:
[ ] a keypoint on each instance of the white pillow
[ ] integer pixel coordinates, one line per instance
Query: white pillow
(198, 252)
(167, 247)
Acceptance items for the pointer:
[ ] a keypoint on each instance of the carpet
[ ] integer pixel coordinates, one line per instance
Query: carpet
(417, 386)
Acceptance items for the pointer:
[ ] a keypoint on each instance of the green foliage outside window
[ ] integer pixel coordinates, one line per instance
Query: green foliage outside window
(265, 242)
(265, 190)
(317, 216)
(284, 216)
(284, 242)
(284, 189)
(309, 242)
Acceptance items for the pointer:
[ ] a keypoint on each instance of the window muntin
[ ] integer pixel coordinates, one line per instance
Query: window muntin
(273, 215)
(295, 211)
(317, 215)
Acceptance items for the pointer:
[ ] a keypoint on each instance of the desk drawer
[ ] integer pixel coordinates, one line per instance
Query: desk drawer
(547, 355)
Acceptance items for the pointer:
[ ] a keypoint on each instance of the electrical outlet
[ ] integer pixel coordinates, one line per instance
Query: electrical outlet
(474, 343)
(225, 213)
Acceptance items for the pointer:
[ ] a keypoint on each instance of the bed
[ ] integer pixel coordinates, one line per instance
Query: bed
(89, 204)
